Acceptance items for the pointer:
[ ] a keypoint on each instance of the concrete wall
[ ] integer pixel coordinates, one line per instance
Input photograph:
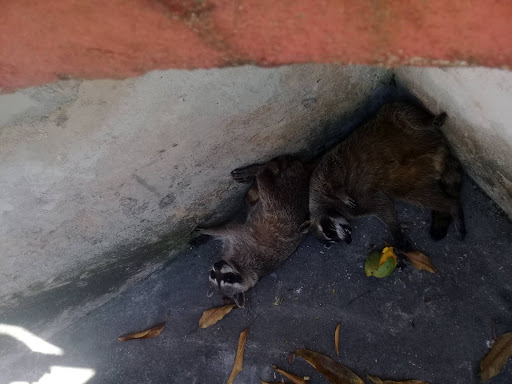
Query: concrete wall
(118, 38)
(479, 105)
(100, 178)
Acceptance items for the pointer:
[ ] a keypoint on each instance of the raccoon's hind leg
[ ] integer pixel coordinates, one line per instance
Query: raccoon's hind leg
(253, 195)
(443, 205)
(265, 184)
(445, 209)
(383, 207)
(450, 183)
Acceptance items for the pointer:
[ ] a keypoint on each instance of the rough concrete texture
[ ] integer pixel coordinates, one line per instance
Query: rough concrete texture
(92, 171)
(478, 102)
(119, 38)
(413, 324)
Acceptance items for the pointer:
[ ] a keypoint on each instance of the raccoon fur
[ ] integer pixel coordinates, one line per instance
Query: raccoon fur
(278, 204)
(398, 155)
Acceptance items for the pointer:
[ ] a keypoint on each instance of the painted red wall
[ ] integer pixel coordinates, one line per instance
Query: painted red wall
(43, 40)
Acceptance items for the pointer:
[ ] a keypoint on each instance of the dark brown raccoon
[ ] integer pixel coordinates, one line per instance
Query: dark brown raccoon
(400, 154)
(278, 204)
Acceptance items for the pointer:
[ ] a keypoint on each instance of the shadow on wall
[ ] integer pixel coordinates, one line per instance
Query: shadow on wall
(345, 125)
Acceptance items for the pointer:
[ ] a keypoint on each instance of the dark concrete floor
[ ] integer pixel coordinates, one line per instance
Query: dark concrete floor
(433, 327)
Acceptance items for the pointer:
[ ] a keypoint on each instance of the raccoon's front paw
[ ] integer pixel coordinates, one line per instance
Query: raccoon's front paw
(349, 202)
(245, 175)
(346, 233)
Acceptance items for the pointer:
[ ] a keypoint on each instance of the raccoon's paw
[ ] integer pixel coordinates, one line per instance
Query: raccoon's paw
(347, 229)
(344, 232)
(245, 175)
(349, 202)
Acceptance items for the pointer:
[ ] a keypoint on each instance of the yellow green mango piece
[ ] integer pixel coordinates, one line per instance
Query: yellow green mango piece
(380, 264)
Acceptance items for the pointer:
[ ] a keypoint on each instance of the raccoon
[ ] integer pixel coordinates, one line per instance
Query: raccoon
(278, 204)
(399, 154)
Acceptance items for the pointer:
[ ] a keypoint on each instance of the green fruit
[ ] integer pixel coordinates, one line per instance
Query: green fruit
(371, 267)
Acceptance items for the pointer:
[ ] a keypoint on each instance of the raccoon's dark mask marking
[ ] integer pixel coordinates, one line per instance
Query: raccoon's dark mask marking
(232, 278)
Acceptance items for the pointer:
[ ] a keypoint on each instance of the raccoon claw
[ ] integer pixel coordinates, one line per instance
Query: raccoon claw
(349, 202)
(244, 175)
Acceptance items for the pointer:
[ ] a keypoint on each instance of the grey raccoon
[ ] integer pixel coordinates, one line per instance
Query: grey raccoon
(278, 204)
(400, 154)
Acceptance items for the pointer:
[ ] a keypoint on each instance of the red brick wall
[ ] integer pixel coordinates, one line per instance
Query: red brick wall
(43, 40)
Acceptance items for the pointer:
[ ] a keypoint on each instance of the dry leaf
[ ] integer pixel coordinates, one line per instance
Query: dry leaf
(334, 372)
(239, 358)
(376, 380)
(497, 357)
(147, 334)
(274, 382)
(211, 316)
(420, 261)
(290, 376)
(337, 339)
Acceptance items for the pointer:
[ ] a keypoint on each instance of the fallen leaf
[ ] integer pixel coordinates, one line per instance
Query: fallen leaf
(420, 261)
(147, 334)
(334, 372)
(239, 358)
(290, 376)
(337, 339)
(497, 357)
(376, 380)
(291, 358)
(211, 316)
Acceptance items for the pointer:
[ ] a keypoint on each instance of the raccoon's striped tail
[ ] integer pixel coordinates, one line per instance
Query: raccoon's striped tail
(450, 183)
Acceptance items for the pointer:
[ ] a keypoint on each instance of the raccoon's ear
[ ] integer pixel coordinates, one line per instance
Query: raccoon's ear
(305, 227)
(210, 292)
(239, 299)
